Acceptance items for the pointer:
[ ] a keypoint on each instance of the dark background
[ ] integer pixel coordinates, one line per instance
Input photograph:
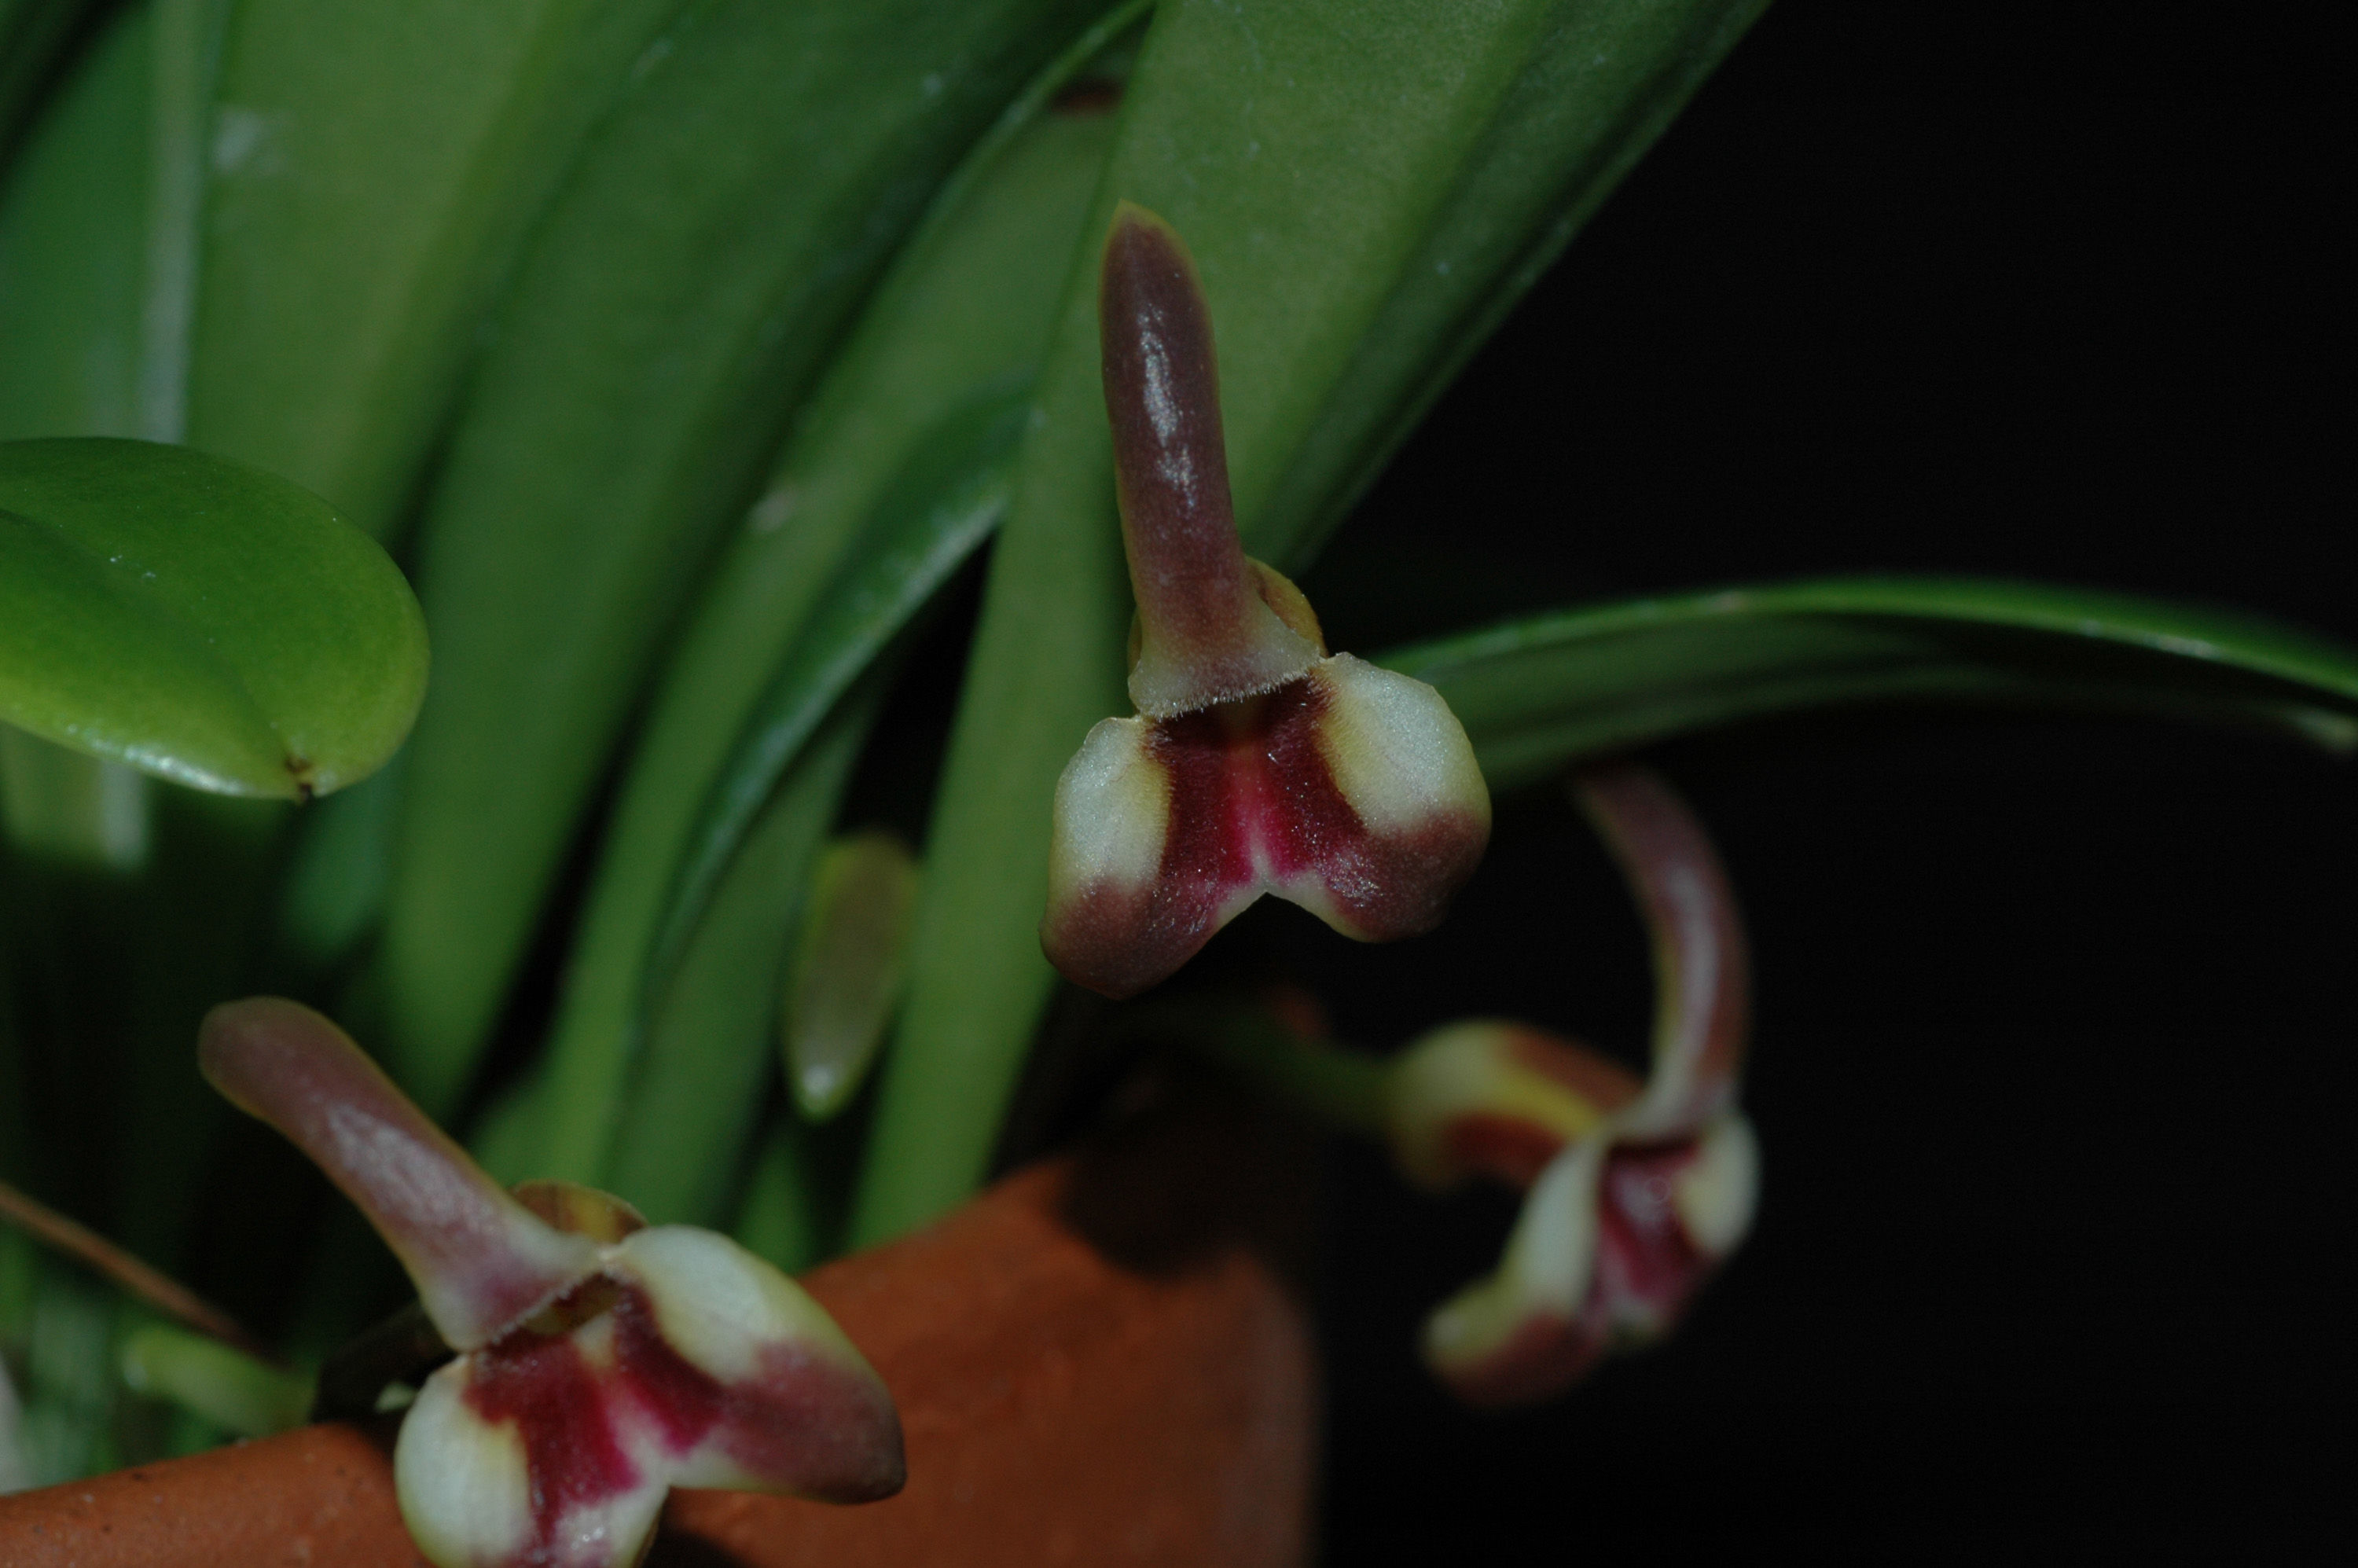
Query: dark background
(2053, 1069)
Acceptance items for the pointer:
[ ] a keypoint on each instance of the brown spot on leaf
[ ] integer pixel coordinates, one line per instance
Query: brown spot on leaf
(1088, 98)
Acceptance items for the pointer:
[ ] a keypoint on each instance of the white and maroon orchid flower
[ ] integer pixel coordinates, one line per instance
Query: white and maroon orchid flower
(601, 1361)
(1256, 763)
(1635, 1192)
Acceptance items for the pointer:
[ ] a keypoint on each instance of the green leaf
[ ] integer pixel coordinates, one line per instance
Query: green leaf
(66, 809)
(1541, 692)
(631, 954)
(73, 249)
(135, 909)
(892, 475)
(642, 369)
(697, 1092)
(798, 1191)
(333, 890)
(377, 163)
(942, 507)
(31, 32)
(202, 620)
(1317, 158)
(1603, 83)
(60, 1326)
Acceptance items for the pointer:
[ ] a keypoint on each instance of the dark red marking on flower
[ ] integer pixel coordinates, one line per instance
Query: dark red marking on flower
(1250, 792)
(1509, 1149)
(802, 1416)
(1647, 1267)
(1601, 1081)
(574, 1455)
(679, 1399)
(801, 1421)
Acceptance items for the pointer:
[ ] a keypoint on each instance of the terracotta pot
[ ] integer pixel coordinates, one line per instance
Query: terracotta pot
(1099, 1360)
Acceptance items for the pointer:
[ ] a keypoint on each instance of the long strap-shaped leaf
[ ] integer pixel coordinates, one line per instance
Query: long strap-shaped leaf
(697, 1097)
(1312, 155)
(1537, 693)
(1602, 84)
(642, 371)
(894, 474)
(31, 32)
(376, 164)
(73, 247)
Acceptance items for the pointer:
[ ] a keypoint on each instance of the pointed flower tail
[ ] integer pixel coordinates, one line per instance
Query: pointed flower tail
(1613, 1242)
(641, 1358)
(1703, 970)
(480, 1259)
(1205, 634)
(1257, 763)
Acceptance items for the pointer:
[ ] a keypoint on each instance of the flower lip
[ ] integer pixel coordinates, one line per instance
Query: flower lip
(1349, 790)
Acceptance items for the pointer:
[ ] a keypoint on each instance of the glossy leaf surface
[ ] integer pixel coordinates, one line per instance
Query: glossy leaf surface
(1537, 693)
(202, 620)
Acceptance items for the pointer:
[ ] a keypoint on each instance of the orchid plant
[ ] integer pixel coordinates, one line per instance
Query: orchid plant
(331, 332)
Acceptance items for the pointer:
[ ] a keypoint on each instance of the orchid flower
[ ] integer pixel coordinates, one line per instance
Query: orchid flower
(1634, 1192)
(601, 1361)
(1257, 761)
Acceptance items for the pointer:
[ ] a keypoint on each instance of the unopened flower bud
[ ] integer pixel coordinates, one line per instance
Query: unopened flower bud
(848, 964)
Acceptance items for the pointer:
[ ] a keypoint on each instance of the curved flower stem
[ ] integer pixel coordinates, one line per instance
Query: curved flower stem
(136, 1278)
(1330, 1082)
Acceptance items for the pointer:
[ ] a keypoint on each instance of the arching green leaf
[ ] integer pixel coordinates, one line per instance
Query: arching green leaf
(893, 475)
(685, 287)
(1537, 693)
